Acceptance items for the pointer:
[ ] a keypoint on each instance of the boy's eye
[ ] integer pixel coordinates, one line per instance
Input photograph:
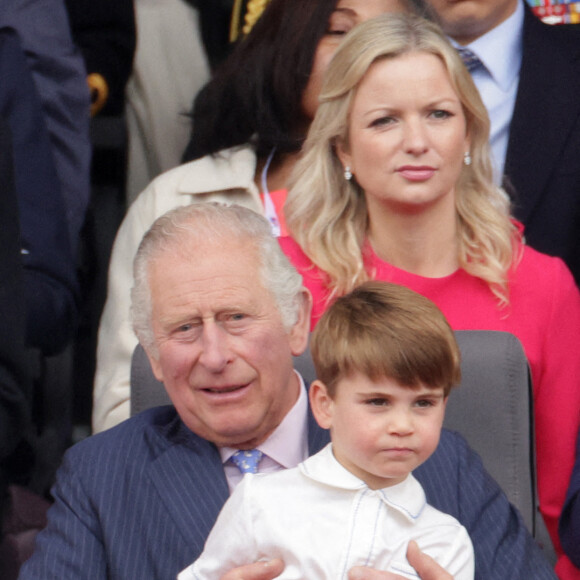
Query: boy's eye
(425, 403)
(377, 402)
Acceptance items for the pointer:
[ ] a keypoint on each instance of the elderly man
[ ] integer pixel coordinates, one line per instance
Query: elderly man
(220, 312)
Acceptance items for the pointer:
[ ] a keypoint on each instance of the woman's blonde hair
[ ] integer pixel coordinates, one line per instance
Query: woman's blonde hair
(327, 215)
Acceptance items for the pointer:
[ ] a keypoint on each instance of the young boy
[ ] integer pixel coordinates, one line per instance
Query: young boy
(386, 360)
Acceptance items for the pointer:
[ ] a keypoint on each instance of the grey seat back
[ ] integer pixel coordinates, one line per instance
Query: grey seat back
(492, 409)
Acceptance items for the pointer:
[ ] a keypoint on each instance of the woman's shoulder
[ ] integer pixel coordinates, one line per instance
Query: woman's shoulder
(543, 277)
(226, 176)
(294, 252)
(226, 169)
(534, 263)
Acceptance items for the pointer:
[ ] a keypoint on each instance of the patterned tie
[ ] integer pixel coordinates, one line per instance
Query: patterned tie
(469, 58)
(247, 461)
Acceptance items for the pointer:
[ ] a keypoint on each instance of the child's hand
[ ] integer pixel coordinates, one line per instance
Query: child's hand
(256, 571)
(425, 566)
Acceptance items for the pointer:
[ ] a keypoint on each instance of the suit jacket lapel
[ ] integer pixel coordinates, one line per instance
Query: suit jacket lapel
(551, 75)
(190, 480)
(191, 483)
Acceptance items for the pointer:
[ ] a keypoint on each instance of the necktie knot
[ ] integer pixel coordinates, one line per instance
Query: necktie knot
(247, 460)
(469, 58)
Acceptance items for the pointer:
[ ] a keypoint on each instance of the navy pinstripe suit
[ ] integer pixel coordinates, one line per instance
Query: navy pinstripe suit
(138, 501)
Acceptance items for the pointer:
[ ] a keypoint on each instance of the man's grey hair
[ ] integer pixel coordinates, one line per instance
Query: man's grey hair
(214, 221)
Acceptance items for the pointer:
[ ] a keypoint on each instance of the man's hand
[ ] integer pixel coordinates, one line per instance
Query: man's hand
(425, 566)
(256, 571)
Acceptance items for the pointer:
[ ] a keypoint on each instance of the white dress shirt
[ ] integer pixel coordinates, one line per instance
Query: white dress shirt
(282, 449)
(500, 50)
(322, 520)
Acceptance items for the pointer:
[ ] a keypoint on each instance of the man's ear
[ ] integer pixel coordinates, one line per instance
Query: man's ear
(321, 404)
(300, 332)
(155, 364)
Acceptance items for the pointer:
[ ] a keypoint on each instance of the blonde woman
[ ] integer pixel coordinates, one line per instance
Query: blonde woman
(395, 184)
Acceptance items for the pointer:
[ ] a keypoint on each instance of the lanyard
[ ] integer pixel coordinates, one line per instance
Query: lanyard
(269, 209)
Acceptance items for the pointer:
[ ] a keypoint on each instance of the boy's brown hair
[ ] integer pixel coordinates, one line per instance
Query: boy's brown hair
(385, 330)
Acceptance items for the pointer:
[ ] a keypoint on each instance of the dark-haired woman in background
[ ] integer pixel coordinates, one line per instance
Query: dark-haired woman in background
(249, 125)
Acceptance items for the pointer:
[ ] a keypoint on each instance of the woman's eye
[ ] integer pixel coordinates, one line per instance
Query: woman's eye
(339, 24)
(441, 114)
(382, 121)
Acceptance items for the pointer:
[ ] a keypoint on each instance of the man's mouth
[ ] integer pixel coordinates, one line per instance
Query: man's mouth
(220, 390)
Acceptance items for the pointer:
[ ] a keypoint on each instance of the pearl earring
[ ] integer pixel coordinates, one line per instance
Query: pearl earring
(347, 173)
(467, 158)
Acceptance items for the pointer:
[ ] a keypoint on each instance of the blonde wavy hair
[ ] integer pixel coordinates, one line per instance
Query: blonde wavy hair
(327, 215)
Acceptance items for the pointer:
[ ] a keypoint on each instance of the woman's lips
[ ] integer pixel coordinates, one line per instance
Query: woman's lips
(416, 172)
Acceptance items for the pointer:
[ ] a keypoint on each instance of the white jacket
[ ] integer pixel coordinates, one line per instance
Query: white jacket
(232, 169)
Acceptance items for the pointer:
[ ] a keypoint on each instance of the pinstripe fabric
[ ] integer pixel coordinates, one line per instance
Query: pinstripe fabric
(138, 501)
(570, 519)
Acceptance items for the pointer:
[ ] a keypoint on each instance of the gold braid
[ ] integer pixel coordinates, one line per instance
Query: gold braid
(254, 10)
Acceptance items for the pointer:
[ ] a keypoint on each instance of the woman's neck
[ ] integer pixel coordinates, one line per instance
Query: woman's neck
(278, 171)
(423, 243)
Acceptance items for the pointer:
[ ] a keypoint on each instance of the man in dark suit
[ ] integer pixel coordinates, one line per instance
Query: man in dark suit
(542, 163)
(60, 78)
(15, 389)
(529, 82)
(50, 282)
(220, 312)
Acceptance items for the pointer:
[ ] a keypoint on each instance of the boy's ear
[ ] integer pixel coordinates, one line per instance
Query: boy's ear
(321, 404)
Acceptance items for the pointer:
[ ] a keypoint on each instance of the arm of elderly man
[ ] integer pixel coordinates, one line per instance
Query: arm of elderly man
(426, 568)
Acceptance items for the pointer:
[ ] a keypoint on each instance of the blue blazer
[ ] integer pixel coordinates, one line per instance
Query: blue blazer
(542, 160)
(138, 501)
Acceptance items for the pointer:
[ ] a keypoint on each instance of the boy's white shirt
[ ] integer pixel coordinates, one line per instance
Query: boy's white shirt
(332, 523)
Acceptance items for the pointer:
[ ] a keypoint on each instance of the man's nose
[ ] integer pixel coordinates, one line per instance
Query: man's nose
(215, 351)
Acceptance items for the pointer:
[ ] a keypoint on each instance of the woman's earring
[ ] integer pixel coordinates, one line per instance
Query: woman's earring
(347, 173)
(467, 158)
